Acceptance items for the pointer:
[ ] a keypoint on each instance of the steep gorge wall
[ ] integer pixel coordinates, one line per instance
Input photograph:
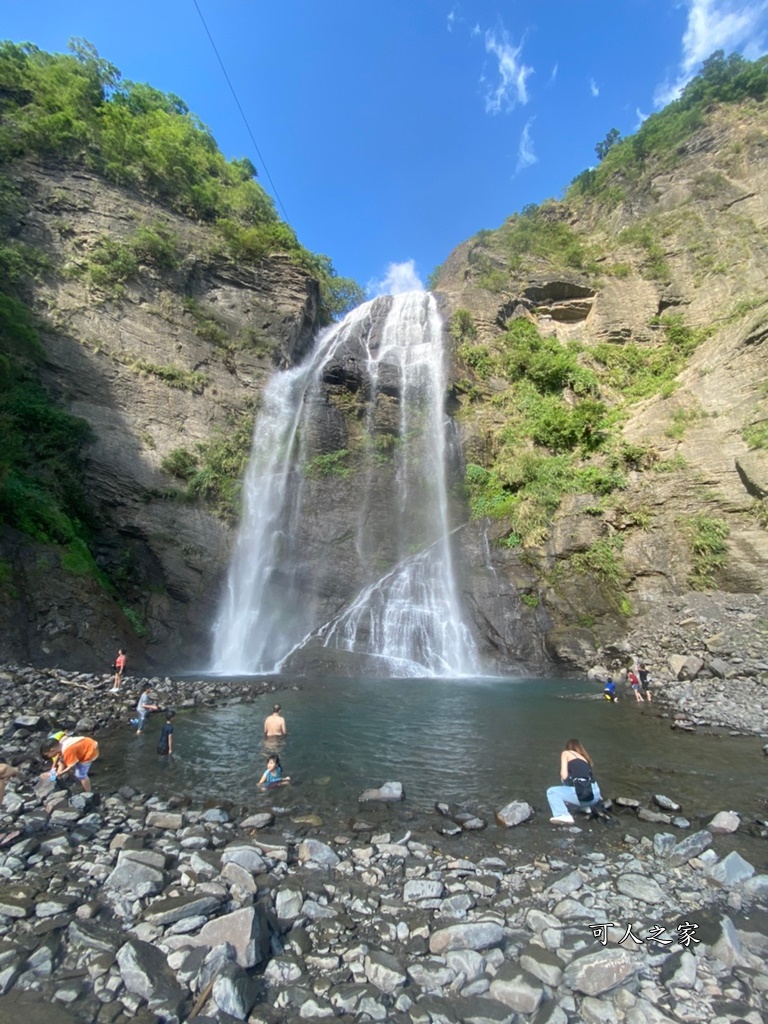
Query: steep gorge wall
(170, 359)
(707, 217)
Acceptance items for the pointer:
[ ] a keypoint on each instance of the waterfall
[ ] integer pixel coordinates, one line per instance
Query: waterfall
(344, 556)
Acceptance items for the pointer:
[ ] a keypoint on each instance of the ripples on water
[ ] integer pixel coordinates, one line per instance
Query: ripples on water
(480, 742)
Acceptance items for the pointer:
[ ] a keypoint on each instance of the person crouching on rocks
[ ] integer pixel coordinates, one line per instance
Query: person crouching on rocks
(578, 789)
(72, 753)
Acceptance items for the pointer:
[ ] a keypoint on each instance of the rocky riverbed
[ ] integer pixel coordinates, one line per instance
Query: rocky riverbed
(123, 907)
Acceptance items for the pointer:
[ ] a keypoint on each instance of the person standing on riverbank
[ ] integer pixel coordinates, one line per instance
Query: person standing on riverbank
(634, 682)
(274, 724)
(120, 661)
(645, 680)
(578, 789)
(72, 753)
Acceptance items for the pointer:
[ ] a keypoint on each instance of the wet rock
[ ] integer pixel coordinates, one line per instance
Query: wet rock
(655, 817)
(390, 792)
(422, 889)
(257, 821)
(724, 822)
(514, 813)
(165, 819)
(666, 804)
(288, 903)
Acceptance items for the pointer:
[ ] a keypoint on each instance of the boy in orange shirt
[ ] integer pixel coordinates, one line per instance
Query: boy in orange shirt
(78, 752)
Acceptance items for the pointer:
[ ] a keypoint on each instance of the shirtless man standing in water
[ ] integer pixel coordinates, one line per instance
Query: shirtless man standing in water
(274, 724)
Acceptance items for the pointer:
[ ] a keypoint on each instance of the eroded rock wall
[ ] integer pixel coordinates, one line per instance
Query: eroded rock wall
(170, 359)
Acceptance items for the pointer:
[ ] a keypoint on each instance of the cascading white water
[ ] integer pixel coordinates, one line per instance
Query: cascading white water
(376, 580)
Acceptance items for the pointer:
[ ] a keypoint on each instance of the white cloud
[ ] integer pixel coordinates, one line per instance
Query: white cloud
(525, 154)
(513, 73)
(452, 18)
(475, 31)
(716, 25)
(399, 277)
(593, 88)
(640, 117)
(553, 76)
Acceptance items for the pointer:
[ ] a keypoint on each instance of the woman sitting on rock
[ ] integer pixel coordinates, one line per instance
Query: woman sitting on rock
(579, 788)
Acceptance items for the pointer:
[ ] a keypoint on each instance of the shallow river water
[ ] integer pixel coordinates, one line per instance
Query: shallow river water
(479, 742)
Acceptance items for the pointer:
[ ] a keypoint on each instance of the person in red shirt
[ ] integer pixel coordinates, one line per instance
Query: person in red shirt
(73, 752)
(119, 669)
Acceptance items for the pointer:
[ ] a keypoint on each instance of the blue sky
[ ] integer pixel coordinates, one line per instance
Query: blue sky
(395, 130)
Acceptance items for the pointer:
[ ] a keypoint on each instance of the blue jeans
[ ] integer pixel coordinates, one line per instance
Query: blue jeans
(559, 796)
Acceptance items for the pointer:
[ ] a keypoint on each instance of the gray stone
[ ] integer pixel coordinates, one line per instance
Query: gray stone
(663, 844)
(476, 1010)
(514, 813)
(245, 929)
(544, 965)
(174, 908)
(246, 855)
(467, 962)
(234, 992)
(288, 903)
(719, 668)
(145, 971)
(384, 971)
(655, 817)
(319, 853)
(666, 804)
(282, 971)
(87, 935)
(390, 792)
(422, 889)
(731, 870)
(680, 970)
(470, 935)
(236, 875)
(431, 975)
(727, 948)
(724, 822)
(599, 972)
(517, 989)
(757, 886)
(641, 887)
(165, 819)
(689, 848)
(262, 820)
(138, 873)
(571, 882)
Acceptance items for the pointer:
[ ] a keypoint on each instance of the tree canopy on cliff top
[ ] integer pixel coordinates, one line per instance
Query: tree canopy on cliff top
(722, 80)
(75, 107)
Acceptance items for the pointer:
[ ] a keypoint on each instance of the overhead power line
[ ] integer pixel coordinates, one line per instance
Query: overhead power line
(242, 112)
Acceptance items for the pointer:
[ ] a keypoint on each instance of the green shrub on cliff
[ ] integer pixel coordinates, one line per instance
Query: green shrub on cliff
(75, 106)
(661, 136)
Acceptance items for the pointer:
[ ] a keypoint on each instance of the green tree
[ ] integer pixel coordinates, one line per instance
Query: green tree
(602, 148)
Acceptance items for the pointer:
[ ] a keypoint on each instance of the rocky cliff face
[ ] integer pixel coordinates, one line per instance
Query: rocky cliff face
(696, 246)
(169, 359)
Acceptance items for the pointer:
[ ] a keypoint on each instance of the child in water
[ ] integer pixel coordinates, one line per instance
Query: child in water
(273, 776)
(610, 690)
